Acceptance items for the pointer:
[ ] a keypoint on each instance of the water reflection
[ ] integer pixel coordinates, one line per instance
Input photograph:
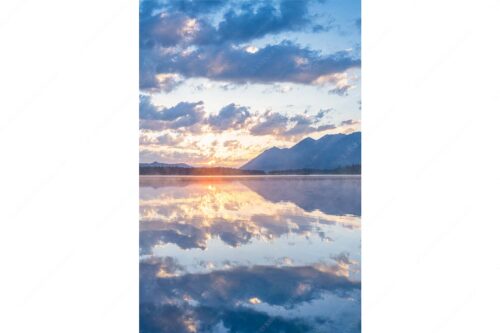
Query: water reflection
(250, 254)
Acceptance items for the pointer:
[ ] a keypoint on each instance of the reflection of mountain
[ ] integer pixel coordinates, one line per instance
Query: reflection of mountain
(330, 195)
(243, 299)
(327, 153)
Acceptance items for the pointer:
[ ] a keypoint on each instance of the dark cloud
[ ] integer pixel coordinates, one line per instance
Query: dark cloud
(231, 116)
(182, 22)
(195, 7)
(251, 21)
(284, 62)
(171, 29)
(340, 91)
(349, 122)
(303, 126)
(163, 29)
(272, 123)
(184, 114)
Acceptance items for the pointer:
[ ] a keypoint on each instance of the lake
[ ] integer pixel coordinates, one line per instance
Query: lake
(250, 254)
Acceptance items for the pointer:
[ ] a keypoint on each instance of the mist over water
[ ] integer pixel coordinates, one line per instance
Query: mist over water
(250, 254)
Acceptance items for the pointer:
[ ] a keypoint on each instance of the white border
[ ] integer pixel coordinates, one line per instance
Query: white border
(430, 166)
(69, 169)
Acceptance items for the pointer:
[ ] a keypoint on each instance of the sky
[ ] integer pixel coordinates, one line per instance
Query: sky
(222, 81)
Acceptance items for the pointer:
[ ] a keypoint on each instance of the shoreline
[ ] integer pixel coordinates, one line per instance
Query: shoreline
(251, 176)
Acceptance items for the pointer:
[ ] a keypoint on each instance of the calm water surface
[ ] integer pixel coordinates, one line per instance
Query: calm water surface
(250, 254)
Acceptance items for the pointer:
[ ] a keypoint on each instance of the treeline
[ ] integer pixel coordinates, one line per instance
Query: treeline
(346, 170)
(218, 171)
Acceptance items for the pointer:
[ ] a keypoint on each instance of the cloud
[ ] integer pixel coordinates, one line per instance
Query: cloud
(271, 123)
(179, 41)
(168, 140)
(340, 91)
(283, 62)
(184, 114)
(171, 29)
(145, 140)
(231, 116)
(252, 22)
(190, 118)
(163, 139)
(349, 122)
(195, 7)
(277, 124)
(232, 144)
(303, 126)
(183, 22)
(340, 80)
(279, 88)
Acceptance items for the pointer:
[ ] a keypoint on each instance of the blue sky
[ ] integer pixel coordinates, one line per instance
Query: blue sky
(221, 81)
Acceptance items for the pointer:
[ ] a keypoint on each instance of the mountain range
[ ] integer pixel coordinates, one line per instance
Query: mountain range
(329, 152)
(164, 165)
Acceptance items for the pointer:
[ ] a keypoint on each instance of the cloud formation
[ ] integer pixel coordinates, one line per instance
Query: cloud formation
(179, 41)
(184, 114)
(257, 20)
(283, 62)
(230, 299)
(231, 116)
(277, 124)
(183, 22)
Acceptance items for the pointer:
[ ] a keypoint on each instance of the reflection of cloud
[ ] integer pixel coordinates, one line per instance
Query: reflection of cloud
(166, 318)
(284, 286)
(190, 216)
(233, 297)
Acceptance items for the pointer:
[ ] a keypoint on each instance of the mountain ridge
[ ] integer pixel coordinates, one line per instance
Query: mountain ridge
(331, 151)
(164, 165)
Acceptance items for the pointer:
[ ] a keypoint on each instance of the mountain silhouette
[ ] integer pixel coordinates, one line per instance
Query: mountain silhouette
(329, 152)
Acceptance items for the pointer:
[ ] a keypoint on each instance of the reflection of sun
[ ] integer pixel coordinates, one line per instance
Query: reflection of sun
(215, 207)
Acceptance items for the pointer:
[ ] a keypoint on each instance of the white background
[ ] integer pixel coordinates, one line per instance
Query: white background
(69, 184)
